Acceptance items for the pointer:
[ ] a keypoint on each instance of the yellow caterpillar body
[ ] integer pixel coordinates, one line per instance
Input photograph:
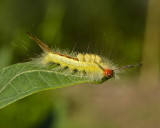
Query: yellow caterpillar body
(91, 65)
(88, 63)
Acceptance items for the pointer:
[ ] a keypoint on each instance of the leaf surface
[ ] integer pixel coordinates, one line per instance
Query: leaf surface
(23, 79)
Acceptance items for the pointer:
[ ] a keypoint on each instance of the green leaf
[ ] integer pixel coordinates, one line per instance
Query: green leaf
(23, 79)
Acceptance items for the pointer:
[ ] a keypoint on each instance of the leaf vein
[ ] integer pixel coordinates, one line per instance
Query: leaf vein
(3, 88)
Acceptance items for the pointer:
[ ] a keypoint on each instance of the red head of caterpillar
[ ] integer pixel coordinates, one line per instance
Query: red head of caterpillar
(108, 73)
(93, 66)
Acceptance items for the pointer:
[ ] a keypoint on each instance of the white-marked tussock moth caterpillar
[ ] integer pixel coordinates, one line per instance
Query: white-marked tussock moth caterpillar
(93, 66)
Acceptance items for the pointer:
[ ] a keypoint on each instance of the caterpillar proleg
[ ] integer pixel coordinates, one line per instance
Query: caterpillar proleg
(93, 66)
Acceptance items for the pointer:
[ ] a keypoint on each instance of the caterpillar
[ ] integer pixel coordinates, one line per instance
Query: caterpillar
(92, 65)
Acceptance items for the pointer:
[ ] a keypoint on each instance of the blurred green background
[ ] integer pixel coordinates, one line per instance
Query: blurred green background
(127, 32)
